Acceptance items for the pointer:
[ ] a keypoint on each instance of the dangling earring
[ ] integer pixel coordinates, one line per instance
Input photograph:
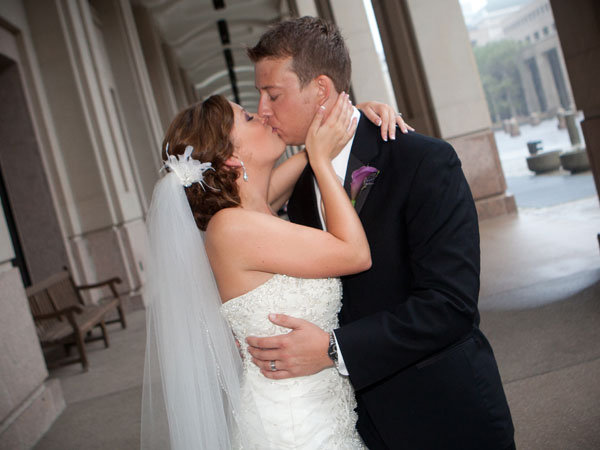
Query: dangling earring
(244, 173)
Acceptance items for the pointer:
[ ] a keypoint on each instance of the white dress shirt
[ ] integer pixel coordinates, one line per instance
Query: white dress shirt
(340, 165)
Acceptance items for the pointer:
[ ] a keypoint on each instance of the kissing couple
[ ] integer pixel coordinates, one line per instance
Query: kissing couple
(357, 320)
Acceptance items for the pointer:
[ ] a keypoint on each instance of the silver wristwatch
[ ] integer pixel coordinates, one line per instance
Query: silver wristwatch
(332, 351)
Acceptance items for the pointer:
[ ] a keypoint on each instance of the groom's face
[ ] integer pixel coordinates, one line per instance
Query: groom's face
(284, 104)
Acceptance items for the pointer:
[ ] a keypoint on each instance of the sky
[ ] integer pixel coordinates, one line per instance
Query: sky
(472, 6)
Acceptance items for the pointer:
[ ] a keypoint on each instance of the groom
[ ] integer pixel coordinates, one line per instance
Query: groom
(424, 375)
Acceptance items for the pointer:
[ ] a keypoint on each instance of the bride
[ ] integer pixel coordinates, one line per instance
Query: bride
(200, 390)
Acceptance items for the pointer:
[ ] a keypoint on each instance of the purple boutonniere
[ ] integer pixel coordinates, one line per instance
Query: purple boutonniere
(361, 178)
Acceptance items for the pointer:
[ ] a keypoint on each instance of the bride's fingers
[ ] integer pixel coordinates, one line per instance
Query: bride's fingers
(343, 116)
(348, 111)
(337, 109)
(316, 122)
(351, 129)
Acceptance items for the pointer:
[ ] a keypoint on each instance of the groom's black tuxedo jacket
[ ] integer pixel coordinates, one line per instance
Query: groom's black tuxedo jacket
(425, 376)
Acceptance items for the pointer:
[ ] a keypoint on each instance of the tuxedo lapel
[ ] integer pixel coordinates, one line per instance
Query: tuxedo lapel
(361, 198)
(353, 164)
(365, 149)
(302, 208)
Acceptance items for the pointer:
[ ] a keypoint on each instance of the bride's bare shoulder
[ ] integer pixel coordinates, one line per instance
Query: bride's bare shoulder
(234, 223)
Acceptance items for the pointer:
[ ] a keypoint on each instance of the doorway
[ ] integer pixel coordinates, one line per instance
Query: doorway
(26, 199)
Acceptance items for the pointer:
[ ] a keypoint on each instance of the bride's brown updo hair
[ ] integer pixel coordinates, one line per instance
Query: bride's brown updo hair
(206, 126)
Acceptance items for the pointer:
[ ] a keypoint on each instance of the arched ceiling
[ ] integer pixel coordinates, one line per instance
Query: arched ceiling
(209, 38)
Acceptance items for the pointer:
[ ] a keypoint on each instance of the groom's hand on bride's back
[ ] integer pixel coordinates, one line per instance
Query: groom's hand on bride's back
(302, 351)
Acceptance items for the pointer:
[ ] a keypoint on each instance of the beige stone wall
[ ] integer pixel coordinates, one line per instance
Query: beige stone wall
(370, 80)
(29, 403)
(16, 45)
(107, 150)
(453, 79)
(156, 63)
(458, 101)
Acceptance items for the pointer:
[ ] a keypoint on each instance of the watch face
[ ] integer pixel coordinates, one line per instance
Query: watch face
(332, 352)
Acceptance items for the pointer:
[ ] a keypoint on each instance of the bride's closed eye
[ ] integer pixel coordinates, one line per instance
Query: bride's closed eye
(248, 116)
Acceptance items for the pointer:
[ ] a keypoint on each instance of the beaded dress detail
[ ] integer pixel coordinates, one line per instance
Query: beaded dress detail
(311, 412)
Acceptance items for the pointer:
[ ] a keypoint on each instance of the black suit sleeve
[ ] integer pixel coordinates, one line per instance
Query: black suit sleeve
(443, 244)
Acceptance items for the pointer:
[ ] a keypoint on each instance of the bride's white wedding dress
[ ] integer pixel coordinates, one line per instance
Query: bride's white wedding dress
(311, 412)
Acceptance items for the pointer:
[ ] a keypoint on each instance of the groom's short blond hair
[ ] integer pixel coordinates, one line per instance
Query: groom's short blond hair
(316, 47)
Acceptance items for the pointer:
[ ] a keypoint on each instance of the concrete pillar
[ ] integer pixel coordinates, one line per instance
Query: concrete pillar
(370, 78)
(578, 26)
(156, 63)
(135, 100)
(306, 8)
(437, 84)
(175, 75)
(104, 212)
(29, 401)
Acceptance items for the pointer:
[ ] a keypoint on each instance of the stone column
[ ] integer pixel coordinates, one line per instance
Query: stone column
(104, 212)
(135, 99)
(29, 401)
(437, 84)
(578, 26)
(370, 78)
(158, 71)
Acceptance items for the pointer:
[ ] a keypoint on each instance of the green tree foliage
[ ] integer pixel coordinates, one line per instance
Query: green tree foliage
(497, 63)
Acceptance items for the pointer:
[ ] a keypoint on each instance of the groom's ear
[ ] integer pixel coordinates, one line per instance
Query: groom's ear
(324, 88)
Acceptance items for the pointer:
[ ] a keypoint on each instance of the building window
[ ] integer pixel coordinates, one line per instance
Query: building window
(536, 35)
(546, 31)
(528, 39)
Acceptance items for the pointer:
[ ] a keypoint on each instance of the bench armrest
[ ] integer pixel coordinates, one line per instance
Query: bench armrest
(58, 314)
(110, 281)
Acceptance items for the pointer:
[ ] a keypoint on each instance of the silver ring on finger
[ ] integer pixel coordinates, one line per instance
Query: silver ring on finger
(273, 368)
(399, 115)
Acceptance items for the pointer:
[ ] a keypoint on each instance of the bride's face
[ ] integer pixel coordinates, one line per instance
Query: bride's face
(253, 138)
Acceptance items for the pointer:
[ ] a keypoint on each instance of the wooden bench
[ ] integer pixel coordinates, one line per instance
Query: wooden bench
(62, 318)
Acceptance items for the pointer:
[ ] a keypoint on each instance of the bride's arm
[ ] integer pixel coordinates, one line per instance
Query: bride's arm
(283, 179)
(386, 117)
(261, 242)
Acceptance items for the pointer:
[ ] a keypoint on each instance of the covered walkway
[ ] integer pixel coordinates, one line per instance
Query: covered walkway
(540, 306)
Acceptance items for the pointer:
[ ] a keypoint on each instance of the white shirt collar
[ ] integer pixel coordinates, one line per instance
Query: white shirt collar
(340, 165)
(340, 162)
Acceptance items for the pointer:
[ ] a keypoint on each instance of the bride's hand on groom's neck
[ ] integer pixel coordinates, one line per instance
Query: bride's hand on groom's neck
(326, 137)
(302, 351)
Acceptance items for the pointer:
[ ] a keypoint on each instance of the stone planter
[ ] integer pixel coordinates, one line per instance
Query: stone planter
(575, 161)
(544, 162)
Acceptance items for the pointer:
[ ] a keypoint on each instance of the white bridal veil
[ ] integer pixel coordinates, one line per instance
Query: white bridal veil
(192, 371)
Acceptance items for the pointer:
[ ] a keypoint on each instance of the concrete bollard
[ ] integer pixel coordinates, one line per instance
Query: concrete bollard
(562, 122)
(514, 128)
(544, 162)
(572, 129)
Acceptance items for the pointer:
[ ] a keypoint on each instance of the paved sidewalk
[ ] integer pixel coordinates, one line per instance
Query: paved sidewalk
(540, 308)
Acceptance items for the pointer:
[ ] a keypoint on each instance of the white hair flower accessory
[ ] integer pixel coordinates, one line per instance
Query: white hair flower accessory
(187, 169)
